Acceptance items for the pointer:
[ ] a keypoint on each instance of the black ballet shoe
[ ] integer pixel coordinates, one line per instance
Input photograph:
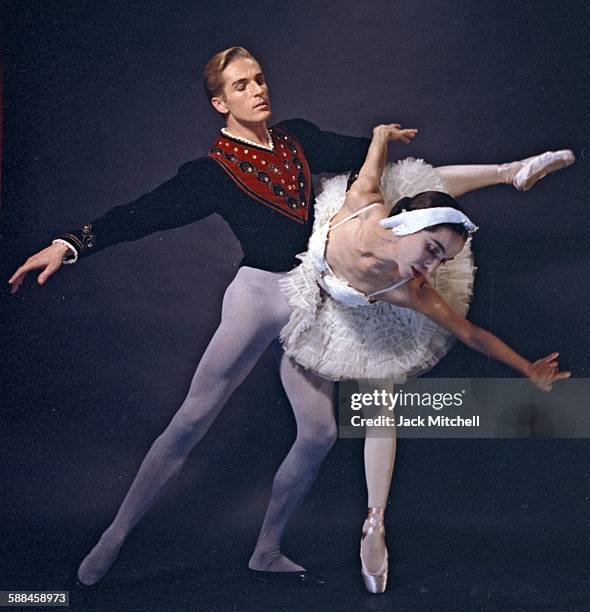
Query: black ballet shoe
(304, 577)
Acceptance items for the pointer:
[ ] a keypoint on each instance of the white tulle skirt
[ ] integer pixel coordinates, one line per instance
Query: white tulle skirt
(377, 340)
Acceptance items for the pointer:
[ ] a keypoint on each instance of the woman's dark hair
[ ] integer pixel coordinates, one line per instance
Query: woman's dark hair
(432, 199)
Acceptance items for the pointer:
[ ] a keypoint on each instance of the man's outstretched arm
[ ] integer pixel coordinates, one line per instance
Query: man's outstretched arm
(187, 197)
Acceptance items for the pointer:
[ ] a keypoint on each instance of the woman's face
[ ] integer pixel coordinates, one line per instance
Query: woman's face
(425, 250)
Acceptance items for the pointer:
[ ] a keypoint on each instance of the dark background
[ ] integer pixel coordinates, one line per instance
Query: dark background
(103, 102)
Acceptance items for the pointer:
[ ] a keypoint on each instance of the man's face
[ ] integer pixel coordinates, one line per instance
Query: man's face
(245, 93)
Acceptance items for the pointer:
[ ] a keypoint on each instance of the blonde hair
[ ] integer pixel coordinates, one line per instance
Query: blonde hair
(212, 79)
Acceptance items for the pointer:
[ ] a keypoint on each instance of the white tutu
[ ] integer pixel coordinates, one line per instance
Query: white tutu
(377, 340)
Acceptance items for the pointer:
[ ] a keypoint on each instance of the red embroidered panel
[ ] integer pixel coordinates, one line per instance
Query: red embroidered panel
(279, 179)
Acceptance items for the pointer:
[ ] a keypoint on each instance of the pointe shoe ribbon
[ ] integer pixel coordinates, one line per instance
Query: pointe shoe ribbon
(374, 582)
(535, 168)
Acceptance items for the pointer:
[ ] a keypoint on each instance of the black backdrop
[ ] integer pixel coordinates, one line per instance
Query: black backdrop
(103, 102)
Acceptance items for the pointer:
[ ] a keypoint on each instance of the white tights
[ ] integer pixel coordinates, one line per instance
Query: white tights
(254, 312)
(462, 179)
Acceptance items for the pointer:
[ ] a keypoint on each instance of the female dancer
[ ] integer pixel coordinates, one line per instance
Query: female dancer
(369, 262)
(367, 256)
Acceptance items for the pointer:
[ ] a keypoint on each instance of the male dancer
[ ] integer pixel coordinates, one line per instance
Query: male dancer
(259, 181)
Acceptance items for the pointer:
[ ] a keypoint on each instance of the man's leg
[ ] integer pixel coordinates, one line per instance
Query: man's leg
(312, 400)
(521, 174)
(254, 312)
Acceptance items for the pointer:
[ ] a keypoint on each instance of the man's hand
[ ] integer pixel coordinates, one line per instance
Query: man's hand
(49, 260)
(544, 372)
(394, 131)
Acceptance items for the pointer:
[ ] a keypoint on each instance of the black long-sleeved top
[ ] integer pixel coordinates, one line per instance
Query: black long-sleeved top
(270, 239)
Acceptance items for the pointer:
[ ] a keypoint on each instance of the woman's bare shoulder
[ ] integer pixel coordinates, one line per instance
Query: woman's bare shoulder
(355, 201)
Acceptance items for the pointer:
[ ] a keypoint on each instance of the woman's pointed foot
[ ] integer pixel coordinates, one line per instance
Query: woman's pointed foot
(535, 168)
(374, 558)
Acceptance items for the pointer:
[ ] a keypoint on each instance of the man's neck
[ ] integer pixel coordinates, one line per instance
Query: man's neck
(255, 132)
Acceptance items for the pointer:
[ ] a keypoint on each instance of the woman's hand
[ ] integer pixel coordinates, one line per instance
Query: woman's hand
(424, 298)
(544, 372)
(49, 260)
(371, 171)
(394, 131)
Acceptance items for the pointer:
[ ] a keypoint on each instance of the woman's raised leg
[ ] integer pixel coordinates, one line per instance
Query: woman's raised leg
(521, 174)
(254, 311)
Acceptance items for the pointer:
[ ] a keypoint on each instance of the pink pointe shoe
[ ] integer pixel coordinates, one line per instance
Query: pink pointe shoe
(374, 582)
(535, 168)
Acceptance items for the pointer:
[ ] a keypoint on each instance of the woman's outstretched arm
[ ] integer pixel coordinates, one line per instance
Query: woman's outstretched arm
(370, 173)
(426, 299)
